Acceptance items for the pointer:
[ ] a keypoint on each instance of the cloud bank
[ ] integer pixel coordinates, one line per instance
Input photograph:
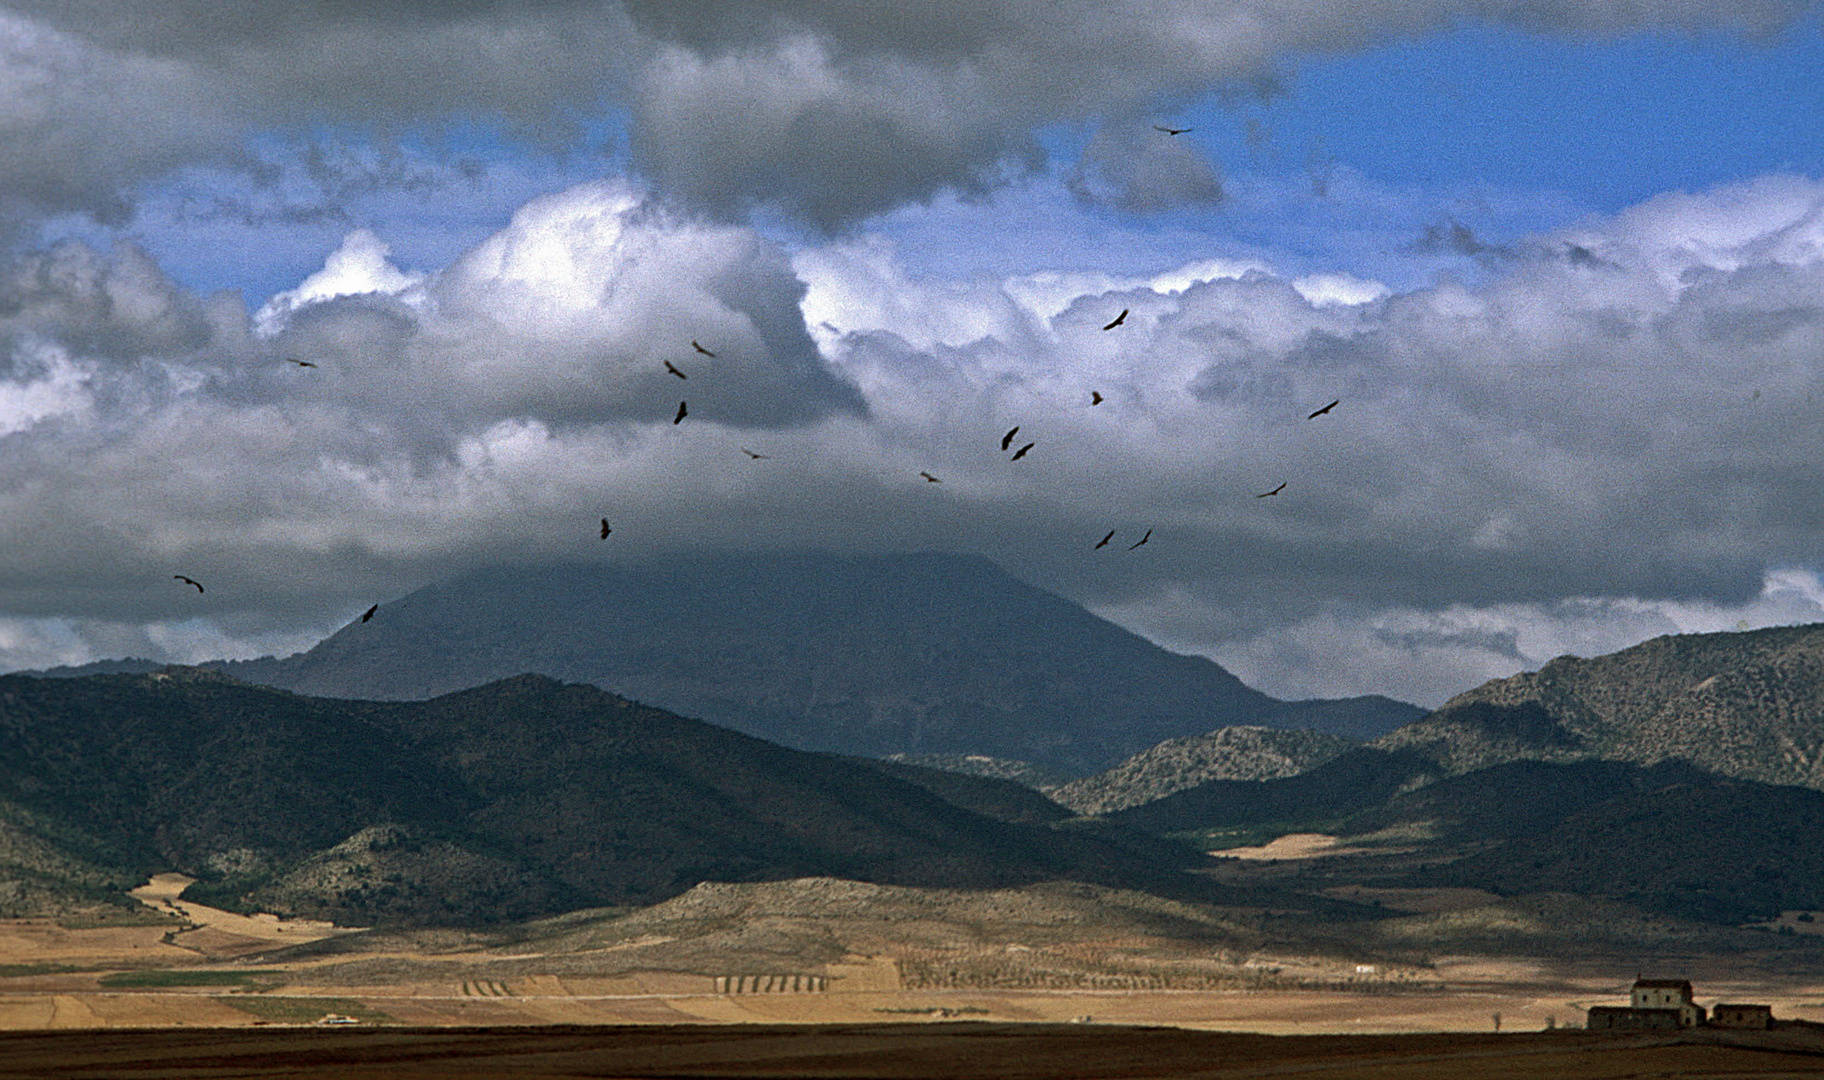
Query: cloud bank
(1627, 412)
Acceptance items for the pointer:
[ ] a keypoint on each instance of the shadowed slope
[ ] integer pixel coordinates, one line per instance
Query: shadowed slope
(517, 798)
(868, 655)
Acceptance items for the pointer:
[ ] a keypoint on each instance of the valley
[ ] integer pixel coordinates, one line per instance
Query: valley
(183, 847)
(213, 972)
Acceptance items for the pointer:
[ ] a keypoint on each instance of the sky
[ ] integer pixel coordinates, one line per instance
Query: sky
(1560, 265)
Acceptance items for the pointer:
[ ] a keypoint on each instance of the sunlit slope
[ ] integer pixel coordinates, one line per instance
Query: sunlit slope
(1747, 705)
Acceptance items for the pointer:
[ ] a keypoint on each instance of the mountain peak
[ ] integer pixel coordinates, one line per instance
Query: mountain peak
(922, 653)
(1748, 704)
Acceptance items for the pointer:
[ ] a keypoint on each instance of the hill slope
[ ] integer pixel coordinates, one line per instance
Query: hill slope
(522, 797)
(875, 655)
(1231, 753)
(1747, 705)
(1722, 852)
(1361, 779)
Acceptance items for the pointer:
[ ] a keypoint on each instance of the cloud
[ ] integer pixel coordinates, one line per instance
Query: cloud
(1425, 656)
(825, 109)
(115, 308)
(150, 431)
(1638, 430)
(1457, 238)
(360, 267)
(1143, 171)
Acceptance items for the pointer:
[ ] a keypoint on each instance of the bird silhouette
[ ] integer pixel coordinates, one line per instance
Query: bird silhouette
(669, 367)
(702, 350)
(369, 613)
(1275, 491)
(1119, 319)
(756, 457)
(1142, 540)
(605, 529)
(1007, 439)
(1172, 131)
(300, 363)
(1095, 397)
(929, 478)
(1021, 452)
(189, 581)
(1325, 409)
(682, 413)
(1102, 543)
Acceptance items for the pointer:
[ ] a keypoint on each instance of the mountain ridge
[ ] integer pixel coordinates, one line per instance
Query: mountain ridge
(869, 655)
(1744, 704)
(522, 797)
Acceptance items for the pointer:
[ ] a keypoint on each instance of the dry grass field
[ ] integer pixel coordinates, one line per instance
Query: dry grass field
(814, 952)
(53, 977)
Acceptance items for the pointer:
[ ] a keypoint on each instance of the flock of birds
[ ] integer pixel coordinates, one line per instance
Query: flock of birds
(1095, 398)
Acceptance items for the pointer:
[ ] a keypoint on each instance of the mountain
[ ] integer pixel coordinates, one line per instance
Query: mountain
(521, 797)
(1357, 780)
(990, 796)
(1518, 799)
(1747, 705)
(1231, 753)
(1037, 777)
(865, 655)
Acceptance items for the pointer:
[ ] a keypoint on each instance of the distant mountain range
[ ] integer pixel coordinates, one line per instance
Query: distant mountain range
(867, 655)
(1675, 777)
(522, 797)
(1747, 705)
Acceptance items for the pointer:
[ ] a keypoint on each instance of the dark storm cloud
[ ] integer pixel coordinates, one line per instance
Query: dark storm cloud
(831, 110)
(118, 307)
(912, 99)
(96, 98)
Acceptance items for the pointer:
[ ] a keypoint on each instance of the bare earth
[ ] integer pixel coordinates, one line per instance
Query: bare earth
(893, 1052)
(201, 994)
(36, 993)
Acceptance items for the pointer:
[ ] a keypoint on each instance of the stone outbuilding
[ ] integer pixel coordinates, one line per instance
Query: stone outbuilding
(1754, 1017)
(1623, 1018)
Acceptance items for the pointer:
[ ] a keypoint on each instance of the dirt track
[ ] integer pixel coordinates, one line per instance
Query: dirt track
(888, 1052)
